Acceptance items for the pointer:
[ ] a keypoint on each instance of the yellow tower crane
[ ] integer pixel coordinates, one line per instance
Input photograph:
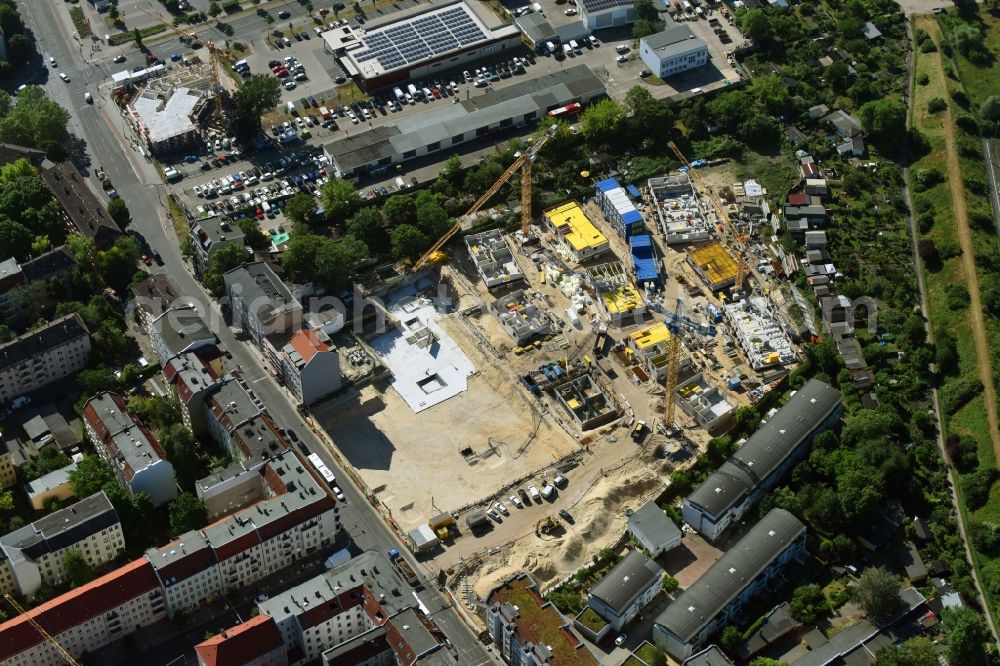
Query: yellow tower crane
(41, 631)
(213, 55)
(522, 164)
(739, 239)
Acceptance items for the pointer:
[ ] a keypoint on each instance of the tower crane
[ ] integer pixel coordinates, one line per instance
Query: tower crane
(213, 55)
(522, 164)
(41, 631)
(673, 324)
(739, 239)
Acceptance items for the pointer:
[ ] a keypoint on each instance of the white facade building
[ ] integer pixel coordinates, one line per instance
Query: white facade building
(673, 51)
(43, 356)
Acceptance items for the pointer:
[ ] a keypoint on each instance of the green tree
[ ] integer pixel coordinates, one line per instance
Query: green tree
(155, 411)
(19, 49)
(49, 459)
(884, 121)
(989, 110)
(965, 636)
(301, 208)
(254, 238)
(771, 92)
(119, 213)
(877, 592)
(407, 242)
(313, 258)
(78, 569)
(82, 249)
(808, 604)
(368, 226)
(643, 28)
(600, 122)
(670, 584)
(187, 513)
(917, 651)
(6, 500)
(90, 476)
(118, 264)
(431, 216)
(214, 9)
(767, 661)
(15, 239)
(730, 639)
(400, 209)
(340, 200)
(137, 37)
(95, 380)
(257, 95)
(223, 260)
(647, 118)
(755, 25)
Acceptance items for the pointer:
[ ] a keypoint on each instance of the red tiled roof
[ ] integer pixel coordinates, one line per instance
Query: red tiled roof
(240, 644)
(307, 344)
(798, 199)
(77, 606)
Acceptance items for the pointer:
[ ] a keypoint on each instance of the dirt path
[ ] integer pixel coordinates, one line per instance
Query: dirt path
(968, 256)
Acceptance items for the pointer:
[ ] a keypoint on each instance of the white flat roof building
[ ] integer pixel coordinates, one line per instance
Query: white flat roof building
(167, 122)
(673, 51)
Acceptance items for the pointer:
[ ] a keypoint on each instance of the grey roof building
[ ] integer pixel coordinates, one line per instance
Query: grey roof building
(626, 589)
(210, 235)
(32, 555)
(673, 50)
(653, 528)
(42, 356)
(536, 29)
(739, 483)
(742, 573)
(412, 136)
(261, 302)
(710, 656)
(179, 330)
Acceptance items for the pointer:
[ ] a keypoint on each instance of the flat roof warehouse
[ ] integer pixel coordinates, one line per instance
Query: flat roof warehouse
(452, 124)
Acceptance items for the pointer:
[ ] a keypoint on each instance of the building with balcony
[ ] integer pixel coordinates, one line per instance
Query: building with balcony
(743, 573)
(210, 235)
(179, 330)
(764, 459)
(32, 556)
(45, 355)
(261, 303)
(310, 365)
(256, 642)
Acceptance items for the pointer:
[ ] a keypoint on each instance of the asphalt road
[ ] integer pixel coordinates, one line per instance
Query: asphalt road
(101, 126)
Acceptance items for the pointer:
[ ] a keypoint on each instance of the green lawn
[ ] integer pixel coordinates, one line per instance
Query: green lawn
(590, 619)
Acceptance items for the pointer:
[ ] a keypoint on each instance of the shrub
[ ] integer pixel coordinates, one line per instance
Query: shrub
(976, 487)
(923, 80)
(936, 105)
(956, 393)
(960, 98)
(962, 451)
(927, 47)
(924, 179)
(957, 296)
(975, 183)
(925, 222)
(948, 250)
(967, 123)
(926, 249)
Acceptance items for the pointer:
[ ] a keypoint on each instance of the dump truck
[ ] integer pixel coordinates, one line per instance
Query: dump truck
(403, 566)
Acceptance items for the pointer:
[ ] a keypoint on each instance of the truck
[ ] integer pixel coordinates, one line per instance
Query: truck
(339, 557)
(403, 566)
(324, 112)
(477, 521)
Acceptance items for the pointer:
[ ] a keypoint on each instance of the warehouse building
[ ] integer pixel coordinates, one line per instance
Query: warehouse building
(598, 14)
(736, 487)
(372, 151)
(673, 51)
(577, 235)
(743, 573)
(418, 44)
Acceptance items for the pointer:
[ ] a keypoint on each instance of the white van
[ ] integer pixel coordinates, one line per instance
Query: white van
(548, 491)
(426, 92)
(567, 50)
(550, 48)
(291, 107)
(400, 183)
(414, 93)
(573, 45)
(400, 96)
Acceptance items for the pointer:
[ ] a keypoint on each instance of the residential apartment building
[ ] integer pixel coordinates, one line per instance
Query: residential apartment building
(152, 297)
(233, 409)
(545, 639)
(310, 366)
(719, 597)
(129, 447)
(256, 642)
(16, 279)
(8, 472)
(577, 235)
(179, 330)
(210, 235)
(43, 356)
(653, 529)
(261, 303)
(292, 516)
(733, 489)
(626, 589)
(192, 381)
(86, 618)
(32, 556)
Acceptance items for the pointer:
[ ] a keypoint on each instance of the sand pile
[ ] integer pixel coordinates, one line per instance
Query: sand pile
(599, 520)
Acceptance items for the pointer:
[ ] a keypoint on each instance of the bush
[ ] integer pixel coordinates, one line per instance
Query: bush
(976, 487)
(936, 105)
(923, 80)
(948, 250)
(956, 393)
(924, 179)
(962, 451)
(985, 537)
(975, 183)
(961, 98)
(925, 222)
(927, 250)
(967, 123)
(957, 296)
(927, 47)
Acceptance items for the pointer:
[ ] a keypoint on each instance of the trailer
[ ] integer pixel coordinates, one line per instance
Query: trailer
(341, 556)
(422, 539)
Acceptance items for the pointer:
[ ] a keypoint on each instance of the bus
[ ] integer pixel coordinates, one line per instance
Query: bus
(570, 109)
(321, 467)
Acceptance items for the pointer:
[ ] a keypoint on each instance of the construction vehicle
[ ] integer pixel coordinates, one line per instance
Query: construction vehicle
(521, 164)
(546, 525)
(41, 631)
(403, 566)
(739, 240)
(213, 63)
